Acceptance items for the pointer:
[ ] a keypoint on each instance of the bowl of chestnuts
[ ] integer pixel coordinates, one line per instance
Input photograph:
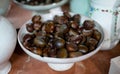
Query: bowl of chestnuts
(38, 5)
(60, 39)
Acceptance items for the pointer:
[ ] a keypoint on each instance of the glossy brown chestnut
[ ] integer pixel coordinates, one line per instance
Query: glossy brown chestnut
(29, 27)
(88, 25)
(39, 41)
(75, 54)
(62, 53)
(71, 46)
(36, 18)
(82, 48)
(59, 43)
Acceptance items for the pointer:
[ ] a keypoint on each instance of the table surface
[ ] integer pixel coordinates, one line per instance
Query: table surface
(24, 64)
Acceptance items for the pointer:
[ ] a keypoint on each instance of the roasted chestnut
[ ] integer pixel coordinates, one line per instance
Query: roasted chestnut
(96, 35)
(37, 51)
(39, 41)
(37, 25)
(74, 25)
(29, 27)
(88, 25)
(73, 32)
(76, 18)
(92, 41)
(82, 48)
(71, 46)
(66, 14)
(75, 54)
(36, 18)
(59, 42)
(62, 53)
(87, 32)
(49, 27)
(52, 52)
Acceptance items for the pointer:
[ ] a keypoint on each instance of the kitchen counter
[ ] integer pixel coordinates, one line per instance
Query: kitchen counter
(24, 64)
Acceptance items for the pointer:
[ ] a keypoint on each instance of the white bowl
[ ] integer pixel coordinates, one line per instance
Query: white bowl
(59, 64)
(40, 7)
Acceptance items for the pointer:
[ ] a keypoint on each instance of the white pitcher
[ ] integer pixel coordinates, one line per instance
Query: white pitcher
(106, 13)
(8, 38)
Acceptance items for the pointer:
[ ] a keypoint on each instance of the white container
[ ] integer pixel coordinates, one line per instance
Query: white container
(80, 6)
(105, 12)
(4, 6)
(115, 66)
(7, 44)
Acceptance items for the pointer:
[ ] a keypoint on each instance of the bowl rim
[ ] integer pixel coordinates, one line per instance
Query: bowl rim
(40, 7)
(63, 60)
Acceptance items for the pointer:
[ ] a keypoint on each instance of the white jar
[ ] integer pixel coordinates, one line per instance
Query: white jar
(8, 37)
(107, 13)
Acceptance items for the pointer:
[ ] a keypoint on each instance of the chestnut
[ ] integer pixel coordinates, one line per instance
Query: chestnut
(59, 42)
(36, 18)
(62, 28)
(49, 27)
(66, 14)
(61, 19)
(29, 27)
(88, 25)
(37, 51)
(91, 42)
(40, 33)
(52, 52)
(76, 39)
(82, 48)
(71, 46)
(74, 25)
(62, 53)
(76, 18)
(73, 32)
(75, 54)
(96, 35)
(83, 39)
(87, 32)
(39, 41)
(45, 51)
(37, 25)
(27, 37)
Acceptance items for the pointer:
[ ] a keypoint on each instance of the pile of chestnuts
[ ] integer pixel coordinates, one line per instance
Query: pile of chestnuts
(38, 2)
(62, 37)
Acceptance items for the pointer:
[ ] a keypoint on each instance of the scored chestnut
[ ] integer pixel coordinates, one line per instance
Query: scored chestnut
(71, 46)
(88, 25)
(82, 48)
(36, 18)
(76, 18)
(75, 54)
(29, 27)
(62, 53)
(59, 42)
(39, 41)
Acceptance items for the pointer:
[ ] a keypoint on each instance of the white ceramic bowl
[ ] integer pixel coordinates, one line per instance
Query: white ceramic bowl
(40, 7)
(58, 63)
